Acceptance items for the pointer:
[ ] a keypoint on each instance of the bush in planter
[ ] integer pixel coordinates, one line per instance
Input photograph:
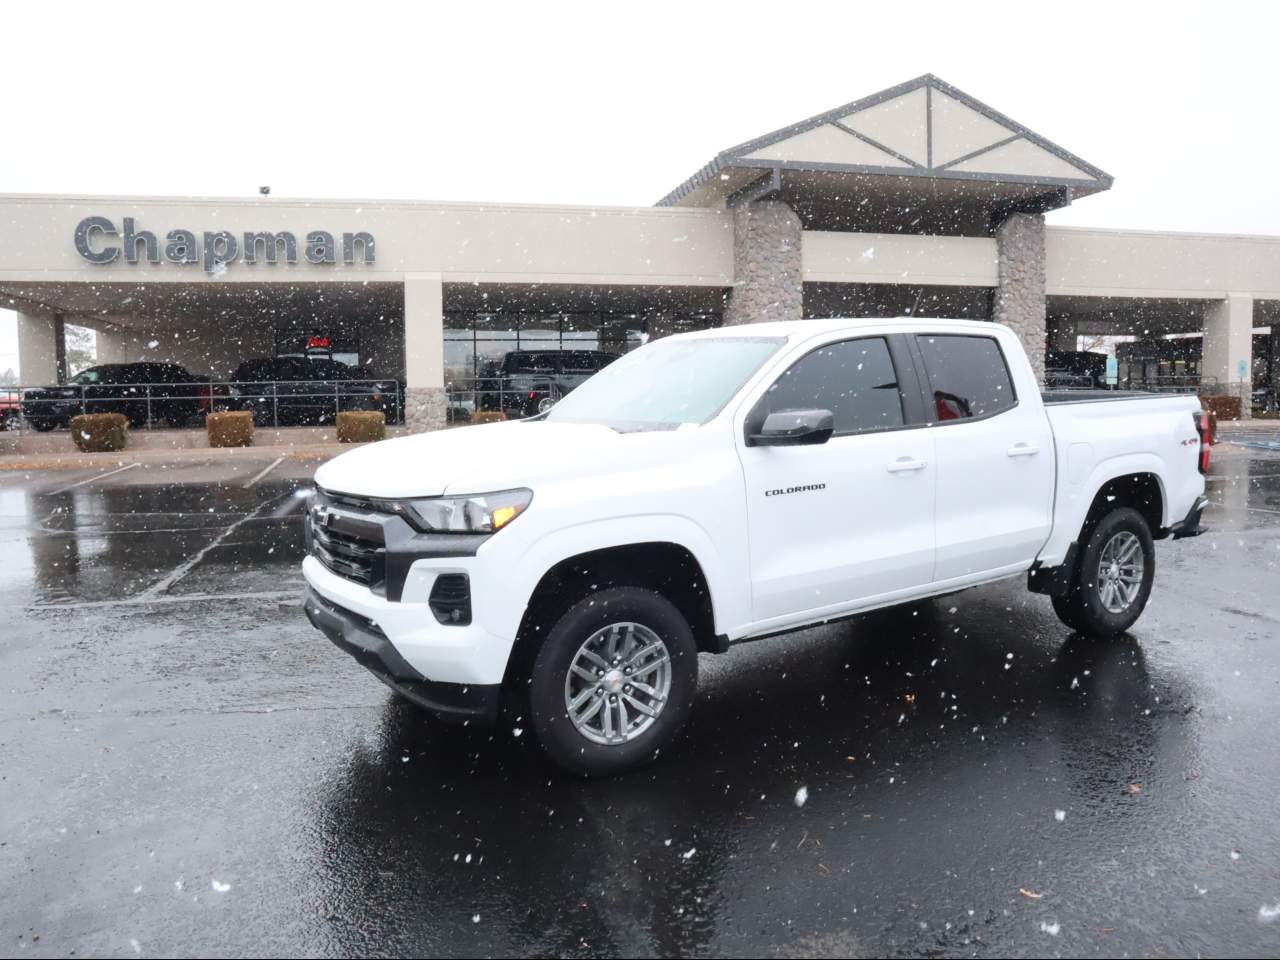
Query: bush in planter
(100, 432)
(488, 416)
(361, 426)
(231, 428)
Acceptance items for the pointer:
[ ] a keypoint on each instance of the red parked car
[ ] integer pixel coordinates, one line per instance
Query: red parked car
(10, 409)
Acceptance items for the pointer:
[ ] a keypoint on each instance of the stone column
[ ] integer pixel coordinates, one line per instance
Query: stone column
(424, 401)
(1228, 349)
(1019, 299)
(767, 279)
(38, 349)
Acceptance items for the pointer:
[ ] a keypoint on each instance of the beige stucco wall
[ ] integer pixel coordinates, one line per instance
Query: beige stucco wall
(1084, 261)
(1080, 261)
(898, 258)
(461, 241)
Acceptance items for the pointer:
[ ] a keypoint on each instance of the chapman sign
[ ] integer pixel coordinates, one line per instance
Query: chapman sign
(216, 248)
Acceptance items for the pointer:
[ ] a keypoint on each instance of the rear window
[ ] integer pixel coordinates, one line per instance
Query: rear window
(531, 363)
(967, 376)
(254, 370)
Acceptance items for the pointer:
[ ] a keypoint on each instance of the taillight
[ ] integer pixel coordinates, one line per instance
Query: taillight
(1202, 428)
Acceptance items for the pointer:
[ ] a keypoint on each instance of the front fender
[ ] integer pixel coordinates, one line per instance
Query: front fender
(728, 605)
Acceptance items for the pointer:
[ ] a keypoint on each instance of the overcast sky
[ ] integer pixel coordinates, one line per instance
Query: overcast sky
(616, 104)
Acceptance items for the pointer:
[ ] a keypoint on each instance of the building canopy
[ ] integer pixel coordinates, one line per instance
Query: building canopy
(897, 160)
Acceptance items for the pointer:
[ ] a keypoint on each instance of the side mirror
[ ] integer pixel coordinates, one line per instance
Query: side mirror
(793, 428)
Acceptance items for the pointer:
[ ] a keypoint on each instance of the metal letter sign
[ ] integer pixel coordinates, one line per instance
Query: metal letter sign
(216, 249)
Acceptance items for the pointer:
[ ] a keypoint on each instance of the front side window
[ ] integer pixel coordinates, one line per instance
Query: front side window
(967, 376)
(854, 379)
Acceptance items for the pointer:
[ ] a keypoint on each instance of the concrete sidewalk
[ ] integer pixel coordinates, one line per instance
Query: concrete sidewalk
(31, 442)
(74, 460)
(1255, 434)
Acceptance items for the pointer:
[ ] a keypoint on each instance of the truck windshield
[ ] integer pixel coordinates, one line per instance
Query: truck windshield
(666, 383)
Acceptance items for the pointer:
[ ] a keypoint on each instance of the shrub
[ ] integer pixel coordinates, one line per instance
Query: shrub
(100, 432)
(488, 416)
(361, 426)
(231, 428)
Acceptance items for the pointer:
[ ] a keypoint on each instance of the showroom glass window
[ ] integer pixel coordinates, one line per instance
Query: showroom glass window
(854, 379)
(967, 376)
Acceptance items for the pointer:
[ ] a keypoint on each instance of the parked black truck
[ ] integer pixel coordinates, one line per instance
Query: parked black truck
(525, 382)
(309, 390)
(155, 393)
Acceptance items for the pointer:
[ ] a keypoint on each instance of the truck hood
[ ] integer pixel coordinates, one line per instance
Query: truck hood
(481, 459)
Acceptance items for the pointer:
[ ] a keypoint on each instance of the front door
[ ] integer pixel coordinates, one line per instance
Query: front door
(848, 520)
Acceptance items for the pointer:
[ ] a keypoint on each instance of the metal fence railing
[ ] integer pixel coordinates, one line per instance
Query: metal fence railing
(149, 405)
(513, 397)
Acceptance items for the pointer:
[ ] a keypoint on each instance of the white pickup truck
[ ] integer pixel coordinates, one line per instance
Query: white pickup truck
(719, 486)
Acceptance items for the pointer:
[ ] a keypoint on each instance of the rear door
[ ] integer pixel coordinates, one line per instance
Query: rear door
(994, 457)
(850, 519)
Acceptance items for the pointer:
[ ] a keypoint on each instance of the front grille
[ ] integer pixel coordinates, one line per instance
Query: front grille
(349, 543)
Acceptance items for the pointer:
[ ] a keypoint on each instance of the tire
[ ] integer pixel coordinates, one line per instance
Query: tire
(1102, 601)
(42, 426)
(614, 626)
(11, 420)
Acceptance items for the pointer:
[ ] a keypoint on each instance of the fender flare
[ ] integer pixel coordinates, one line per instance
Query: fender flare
(1112, 468)
(566, 542)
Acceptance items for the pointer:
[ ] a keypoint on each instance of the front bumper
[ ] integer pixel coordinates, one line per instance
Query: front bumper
(467, 654)
(369, 646)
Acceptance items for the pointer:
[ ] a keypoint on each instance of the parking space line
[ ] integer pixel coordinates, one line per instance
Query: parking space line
(72, 486)
(143, 599)
(182, 569)
(262, 473)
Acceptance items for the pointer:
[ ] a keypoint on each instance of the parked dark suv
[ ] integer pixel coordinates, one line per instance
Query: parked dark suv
(525, 382)
(143, 392)
(308, 390)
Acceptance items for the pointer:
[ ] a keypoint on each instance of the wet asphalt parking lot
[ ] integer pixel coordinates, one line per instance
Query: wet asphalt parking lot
(186, 767)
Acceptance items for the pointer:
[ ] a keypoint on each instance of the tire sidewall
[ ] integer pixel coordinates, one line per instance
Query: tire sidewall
(555, 731)
(1097, 618)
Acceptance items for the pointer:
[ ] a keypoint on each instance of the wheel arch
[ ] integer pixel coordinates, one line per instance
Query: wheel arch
(1143, 490)
(667, 567)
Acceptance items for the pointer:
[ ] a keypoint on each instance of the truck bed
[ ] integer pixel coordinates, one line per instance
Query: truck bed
(1053, 397)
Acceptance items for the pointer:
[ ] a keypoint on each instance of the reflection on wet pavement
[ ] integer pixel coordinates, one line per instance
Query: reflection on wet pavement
(956, 777)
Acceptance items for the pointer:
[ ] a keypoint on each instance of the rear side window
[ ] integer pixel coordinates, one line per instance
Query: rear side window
(854, 379)
(967, 376)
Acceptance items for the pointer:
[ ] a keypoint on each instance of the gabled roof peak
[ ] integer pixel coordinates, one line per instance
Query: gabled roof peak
(921, 128)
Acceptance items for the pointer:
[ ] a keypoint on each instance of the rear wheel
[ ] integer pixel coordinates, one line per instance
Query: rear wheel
(614, 681)
(1113, 576)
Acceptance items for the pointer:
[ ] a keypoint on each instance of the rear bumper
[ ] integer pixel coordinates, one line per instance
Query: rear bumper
(368, 645)
(1189, 526)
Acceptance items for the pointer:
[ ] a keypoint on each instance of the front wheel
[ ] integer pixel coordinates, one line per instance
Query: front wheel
(614, 681)
(1112, 580)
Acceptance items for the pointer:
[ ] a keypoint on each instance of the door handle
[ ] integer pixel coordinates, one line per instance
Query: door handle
(1023, 450)
(906, 463)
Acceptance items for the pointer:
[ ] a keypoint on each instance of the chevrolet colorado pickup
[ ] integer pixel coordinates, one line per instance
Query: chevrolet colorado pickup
(714, 487)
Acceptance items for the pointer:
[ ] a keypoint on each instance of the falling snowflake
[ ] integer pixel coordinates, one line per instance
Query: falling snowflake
(802, 796)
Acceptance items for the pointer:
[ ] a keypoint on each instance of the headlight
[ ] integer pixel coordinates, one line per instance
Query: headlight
(482, 513)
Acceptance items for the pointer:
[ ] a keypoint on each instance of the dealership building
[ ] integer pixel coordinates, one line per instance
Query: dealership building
(917, 200)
